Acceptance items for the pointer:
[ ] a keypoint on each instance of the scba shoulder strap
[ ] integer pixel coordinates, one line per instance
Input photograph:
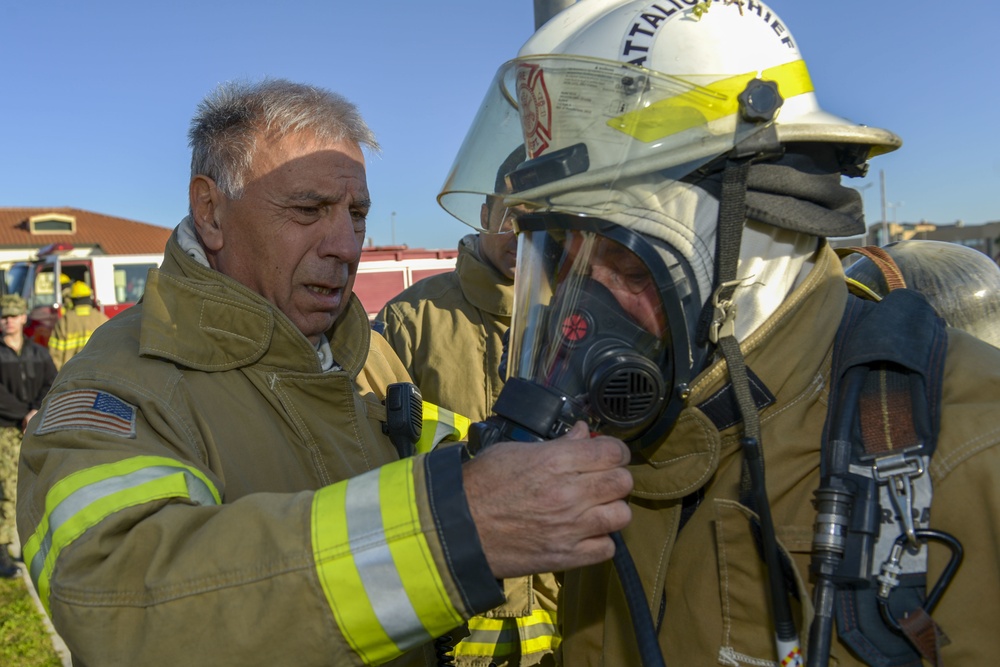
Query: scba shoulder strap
(880, 433)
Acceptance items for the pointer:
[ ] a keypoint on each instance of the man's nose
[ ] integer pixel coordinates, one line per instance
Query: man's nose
(340, 238)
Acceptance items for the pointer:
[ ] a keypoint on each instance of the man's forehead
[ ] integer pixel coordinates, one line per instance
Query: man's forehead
(275, 150)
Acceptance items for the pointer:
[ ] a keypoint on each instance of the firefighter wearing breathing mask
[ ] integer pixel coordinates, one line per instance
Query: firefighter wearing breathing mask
(674, 288)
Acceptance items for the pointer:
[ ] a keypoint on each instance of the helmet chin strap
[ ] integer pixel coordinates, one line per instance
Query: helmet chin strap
(717, 326)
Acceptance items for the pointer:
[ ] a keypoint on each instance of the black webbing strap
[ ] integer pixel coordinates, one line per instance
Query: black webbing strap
(729, 235)
(723, 409)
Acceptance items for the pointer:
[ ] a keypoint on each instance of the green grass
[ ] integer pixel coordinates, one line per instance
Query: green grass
(24, 640)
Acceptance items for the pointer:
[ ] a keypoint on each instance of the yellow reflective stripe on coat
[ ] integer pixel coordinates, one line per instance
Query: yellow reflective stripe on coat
(538, 632)
(75, 342)
(489, 638)
(87, 497)
(440, 425)
(499, 637)
(375, 565)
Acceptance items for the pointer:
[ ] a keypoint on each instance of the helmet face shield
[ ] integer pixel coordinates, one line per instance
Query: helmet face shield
(493, 141)
(615, 97)
(597, 322)
(593, 124)
(589, 128)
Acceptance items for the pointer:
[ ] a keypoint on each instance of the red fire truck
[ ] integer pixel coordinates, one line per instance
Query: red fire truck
(117, 282)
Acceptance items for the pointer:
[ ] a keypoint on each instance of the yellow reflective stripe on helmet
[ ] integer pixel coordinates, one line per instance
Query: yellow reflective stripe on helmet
(87, 497)
(489, 638)
(704, 104)
(375, 565)
(440, 425)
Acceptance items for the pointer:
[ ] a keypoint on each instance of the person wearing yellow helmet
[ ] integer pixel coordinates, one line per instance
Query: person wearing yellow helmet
(65, 284)
(74, 328)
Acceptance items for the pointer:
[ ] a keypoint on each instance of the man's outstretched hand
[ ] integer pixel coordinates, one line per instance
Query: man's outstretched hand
(549, 506)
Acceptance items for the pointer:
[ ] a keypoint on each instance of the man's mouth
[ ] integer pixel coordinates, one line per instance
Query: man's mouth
(323, 291)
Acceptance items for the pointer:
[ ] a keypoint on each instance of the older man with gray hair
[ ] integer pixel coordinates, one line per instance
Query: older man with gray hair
(211, 483)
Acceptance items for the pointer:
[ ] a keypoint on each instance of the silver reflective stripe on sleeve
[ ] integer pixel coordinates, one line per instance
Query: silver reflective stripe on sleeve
(375, 564)
(87, 497)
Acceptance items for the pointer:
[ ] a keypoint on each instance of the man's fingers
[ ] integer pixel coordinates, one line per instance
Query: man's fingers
(604, 519)
(590, 453)
(549, 506)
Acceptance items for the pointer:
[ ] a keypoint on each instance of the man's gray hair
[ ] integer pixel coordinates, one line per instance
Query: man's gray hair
(236, 115)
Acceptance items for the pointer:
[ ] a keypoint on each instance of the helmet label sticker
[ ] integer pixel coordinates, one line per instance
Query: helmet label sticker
(536, 109)
(641, 36)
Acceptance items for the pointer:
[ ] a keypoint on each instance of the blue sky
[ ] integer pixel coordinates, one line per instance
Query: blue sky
(97, 95)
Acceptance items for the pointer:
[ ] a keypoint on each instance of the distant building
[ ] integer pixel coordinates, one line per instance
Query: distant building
(24, 231)
(984, 237)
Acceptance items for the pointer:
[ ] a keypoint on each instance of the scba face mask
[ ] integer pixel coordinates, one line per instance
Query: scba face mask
(601, 331)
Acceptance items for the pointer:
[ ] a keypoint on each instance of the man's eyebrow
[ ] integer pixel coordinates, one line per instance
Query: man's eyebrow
(313, 197)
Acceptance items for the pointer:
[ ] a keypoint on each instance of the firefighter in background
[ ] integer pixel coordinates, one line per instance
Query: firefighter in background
(74, 328)
(65, 287)
(26, 373)
(674, 287)
(448, 330)
(210, 482)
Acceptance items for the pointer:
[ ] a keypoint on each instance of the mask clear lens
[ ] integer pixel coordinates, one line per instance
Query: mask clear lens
(594, 328)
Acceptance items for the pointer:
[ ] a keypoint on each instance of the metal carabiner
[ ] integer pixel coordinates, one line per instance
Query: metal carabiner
(889, 583)
(898, 471)
(723, 313)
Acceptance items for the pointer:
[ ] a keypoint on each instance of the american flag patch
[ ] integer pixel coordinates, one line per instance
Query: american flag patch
(91, 410)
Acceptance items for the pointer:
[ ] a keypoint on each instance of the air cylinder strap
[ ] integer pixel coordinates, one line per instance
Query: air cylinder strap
(898, 346)
(886, 265)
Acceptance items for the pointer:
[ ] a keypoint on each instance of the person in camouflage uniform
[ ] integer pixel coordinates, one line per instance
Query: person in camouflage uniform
(26, 373)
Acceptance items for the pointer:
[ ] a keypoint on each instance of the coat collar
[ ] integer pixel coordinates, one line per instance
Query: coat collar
(806, 322)
(482, 285)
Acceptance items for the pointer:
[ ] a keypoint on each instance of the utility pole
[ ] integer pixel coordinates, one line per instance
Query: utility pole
(885, 223)
(546, 9)
(392, 221)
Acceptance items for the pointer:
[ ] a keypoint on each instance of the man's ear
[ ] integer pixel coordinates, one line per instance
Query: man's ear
(484, 217)
(206, 200)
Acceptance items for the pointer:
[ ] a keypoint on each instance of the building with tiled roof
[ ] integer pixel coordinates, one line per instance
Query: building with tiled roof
(384, 271)
(23, 231)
